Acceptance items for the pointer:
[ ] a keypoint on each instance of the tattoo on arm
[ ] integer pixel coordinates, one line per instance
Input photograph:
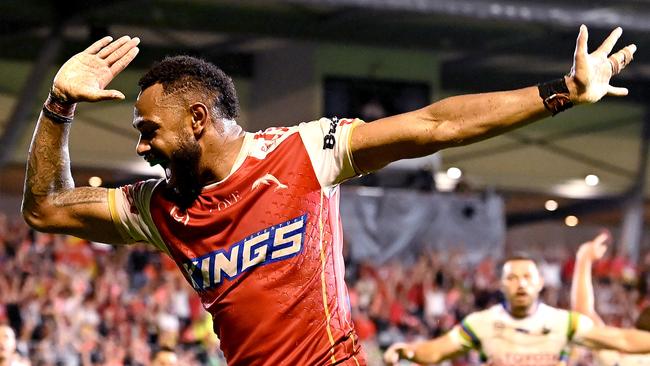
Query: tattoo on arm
(48, 164)
(81, 195)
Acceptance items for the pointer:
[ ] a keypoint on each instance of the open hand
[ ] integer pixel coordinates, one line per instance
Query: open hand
(84, 76)
(591, 72)
(595, 248)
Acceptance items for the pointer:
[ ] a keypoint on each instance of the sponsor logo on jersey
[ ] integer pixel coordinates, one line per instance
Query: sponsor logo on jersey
(544, 331)
(329, 140)
(526, 359)
(267, 179)
(273, 244)
(226, 202)
(499, 327)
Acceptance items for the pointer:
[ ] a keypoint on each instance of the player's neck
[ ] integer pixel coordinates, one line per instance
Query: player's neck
(220, 151)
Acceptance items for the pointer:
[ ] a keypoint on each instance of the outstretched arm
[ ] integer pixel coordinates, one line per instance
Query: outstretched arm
(617, 339)
(465, 119)
(51, 203)
(427, 352)
(582, 288)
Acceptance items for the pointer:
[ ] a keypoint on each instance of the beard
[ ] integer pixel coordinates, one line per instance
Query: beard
(183, 183)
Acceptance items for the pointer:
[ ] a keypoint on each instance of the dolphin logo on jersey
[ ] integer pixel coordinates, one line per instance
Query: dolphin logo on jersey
(267, 179)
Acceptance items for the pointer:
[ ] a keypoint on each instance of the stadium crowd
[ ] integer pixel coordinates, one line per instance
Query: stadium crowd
(71, 302)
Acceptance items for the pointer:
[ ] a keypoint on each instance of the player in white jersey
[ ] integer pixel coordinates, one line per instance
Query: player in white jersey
(521, 331)
(582, 300)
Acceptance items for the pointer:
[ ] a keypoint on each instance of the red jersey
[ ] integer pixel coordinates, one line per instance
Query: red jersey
(263, 247)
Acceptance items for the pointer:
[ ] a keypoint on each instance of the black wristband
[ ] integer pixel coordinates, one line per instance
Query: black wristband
(555, 95)
(58, 110)
(56, 118)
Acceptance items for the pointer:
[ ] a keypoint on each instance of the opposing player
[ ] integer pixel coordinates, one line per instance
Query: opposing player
(8, 354)
(582, 300)
(522, 330)
(252, 219)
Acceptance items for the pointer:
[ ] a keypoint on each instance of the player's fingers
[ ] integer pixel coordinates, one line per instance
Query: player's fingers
(113, 46)
(601, 238)
(608, 234)
(390, 359)
(609, 42)
(613, 91)
(600, 244)
(108, 95)
(122, 51)
(95, 47)
(124, 61)
(631, 48)
(391, 356)
(619, 60)
(581, 42)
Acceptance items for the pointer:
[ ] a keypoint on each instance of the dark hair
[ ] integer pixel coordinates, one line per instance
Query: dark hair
(190, 73)
(643, 321)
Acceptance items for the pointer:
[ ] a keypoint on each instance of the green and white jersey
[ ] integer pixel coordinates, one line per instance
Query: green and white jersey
(540, 339)
(613, 358)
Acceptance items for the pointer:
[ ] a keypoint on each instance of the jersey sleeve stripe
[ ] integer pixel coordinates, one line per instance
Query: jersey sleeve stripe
(572, 326)
(112, 207)
(564, 356)
(328, 316)
(349, 148)
(482, 356)
(469, 335)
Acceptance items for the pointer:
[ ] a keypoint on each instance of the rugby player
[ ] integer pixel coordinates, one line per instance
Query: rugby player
(582, 300)
(252, 219)
(521, 331)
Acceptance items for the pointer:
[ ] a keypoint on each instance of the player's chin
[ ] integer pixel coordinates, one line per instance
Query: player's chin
(521, 300)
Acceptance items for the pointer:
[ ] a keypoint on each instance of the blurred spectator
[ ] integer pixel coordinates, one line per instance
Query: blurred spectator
(165, 357)
(8, 354)
(75, 303)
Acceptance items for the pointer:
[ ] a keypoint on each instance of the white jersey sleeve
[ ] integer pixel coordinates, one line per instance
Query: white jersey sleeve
(328, 144)
(129, 206)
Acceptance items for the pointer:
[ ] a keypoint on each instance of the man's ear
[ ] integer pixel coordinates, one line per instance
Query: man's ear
(541, 282)
(200, 115)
